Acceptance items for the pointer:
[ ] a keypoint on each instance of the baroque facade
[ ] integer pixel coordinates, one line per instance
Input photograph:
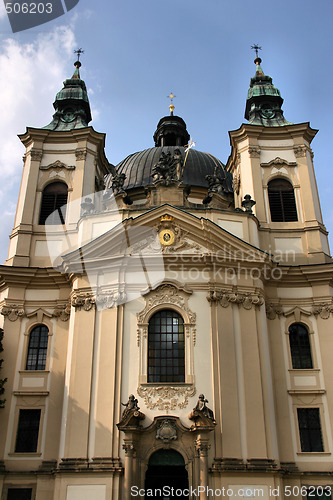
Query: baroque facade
(167, 321)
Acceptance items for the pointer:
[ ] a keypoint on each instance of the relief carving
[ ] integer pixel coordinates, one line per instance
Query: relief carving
(166, 431)
(237, 182)
(254, 152)
(62, 312)
(226, 297)
(166, 398)
(83, 300)
(57, 165)
(300, 151)
(36, 155)
(273, 310)
(12, 311)
(81, 154)
(108, 300)
(323, 310)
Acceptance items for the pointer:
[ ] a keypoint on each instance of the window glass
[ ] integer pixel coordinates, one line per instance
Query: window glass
(310, 429)
(166, 347)
(19, 494)
(300, 348)
(27, 431)
(37, 349)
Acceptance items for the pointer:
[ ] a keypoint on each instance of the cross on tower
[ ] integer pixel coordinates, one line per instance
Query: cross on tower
(78, 52)
(256, 48)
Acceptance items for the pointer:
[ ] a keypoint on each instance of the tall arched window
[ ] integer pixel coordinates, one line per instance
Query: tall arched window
(300, 346)
(282, 201)
(166, 347)
(54, 201)
(37, 349)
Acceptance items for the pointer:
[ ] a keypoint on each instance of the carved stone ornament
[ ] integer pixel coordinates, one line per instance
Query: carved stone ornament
(107, 300)
(254, 152)
(166, 431)
(62, 312)
(179, 237)
(217, 183)
(226, 297)
(323, 310)
(273, 310)
(36, 154)
(278, 162)
(168, 169)
(81, 154)
(58, 165)
(83, 300)
(236, 182)
(167, 294)
(166, 398)
(12, 311)
(300, 151)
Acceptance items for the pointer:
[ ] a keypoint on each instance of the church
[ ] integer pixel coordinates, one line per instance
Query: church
(167, 321)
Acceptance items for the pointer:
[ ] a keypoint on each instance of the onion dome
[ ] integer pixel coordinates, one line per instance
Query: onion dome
(71, 104)
(171, 161)
(264, 101)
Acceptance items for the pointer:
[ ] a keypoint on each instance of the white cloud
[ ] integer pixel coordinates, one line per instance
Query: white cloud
(31, 75)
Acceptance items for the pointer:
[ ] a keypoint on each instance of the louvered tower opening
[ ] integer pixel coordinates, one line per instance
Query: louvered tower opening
(282, 202)
(54, 202)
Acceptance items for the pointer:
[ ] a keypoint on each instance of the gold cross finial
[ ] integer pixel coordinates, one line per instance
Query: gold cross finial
(171, 107)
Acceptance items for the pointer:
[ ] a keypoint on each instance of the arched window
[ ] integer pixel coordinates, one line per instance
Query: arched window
(282, 201)
(300, 346)
(166, 347)
(54, 201)
(37, 349)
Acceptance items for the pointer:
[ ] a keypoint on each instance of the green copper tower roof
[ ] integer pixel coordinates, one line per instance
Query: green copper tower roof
(264, 101)
(71, 104)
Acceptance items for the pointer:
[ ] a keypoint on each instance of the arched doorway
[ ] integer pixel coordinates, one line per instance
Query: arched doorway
(166, 470)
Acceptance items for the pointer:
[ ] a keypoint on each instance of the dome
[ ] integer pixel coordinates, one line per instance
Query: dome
(138, 167)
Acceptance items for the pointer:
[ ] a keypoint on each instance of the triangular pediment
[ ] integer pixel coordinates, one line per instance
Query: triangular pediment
(166, 231)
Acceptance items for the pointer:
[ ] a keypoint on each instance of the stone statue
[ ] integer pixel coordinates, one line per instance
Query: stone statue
(168, 168)
(203, 408)
(132, 404)
(217, 181)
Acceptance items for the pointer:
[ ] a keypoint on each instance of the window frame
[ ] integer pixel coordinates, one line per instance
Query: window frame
(41, 221)
(40, 320)
(323, 437)
(311, 351)
(38, 348)
(283, 220)
(164, 358)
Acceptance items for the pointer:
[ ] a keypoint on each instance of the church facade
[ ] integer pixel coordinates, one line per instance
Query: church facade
(167, 321)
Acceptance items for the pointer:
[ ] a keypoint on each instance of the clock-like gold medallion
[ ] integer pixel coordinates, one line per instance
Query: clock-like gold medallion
(167, 237)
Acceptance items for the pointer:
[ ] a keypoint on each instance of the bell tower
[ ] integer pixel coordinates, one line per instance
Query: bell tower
(64, 161)
(272, 161)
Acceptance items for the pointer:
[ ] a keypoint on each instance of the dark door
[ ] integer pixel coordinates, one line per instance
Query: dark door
(166, 470)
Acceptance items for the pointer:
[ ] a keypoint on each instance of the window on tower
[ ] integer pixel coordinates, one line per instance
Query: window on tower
(282, 202)
(37, 348)
(310, 429)
(53, 207)
(300, 348)
(166, 347)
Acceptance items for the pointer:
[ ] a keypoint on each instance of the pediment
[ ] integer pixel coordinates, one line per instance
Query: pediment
(166, 232)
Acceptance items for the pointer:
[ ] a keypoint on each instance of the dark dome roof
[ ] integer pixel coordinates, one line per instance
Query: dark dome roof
(138, 167)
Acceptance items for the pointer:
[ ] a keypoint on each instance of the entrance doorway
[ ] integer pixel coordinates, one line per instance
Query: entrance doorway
(166, 470)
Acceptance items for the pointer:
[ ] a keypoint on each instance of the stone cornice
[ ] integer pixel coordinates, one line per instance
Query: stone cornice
(40, 278)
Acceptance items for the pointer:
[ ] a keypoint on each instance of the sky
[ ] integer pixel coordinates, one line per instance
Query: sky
(137, 52)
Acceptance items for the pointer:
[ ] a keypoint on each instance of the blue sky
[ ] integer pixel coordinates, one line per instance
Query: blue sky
(136, 52)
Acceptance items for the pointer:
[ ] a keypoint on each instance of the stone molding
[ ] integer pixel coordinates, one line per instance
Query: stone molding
(81, 154)
(167, 294)
(278, 162)
(254, 152)
(227, 297)
(58, 165)
(12, 311)
(166, 398)
(83, 300)
(300, 151)
(322, 309)
(36, 154)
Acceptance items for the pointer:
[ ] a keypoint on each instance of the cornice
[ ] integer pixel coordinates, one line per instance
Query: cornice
(40, 278)
(255, 131)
